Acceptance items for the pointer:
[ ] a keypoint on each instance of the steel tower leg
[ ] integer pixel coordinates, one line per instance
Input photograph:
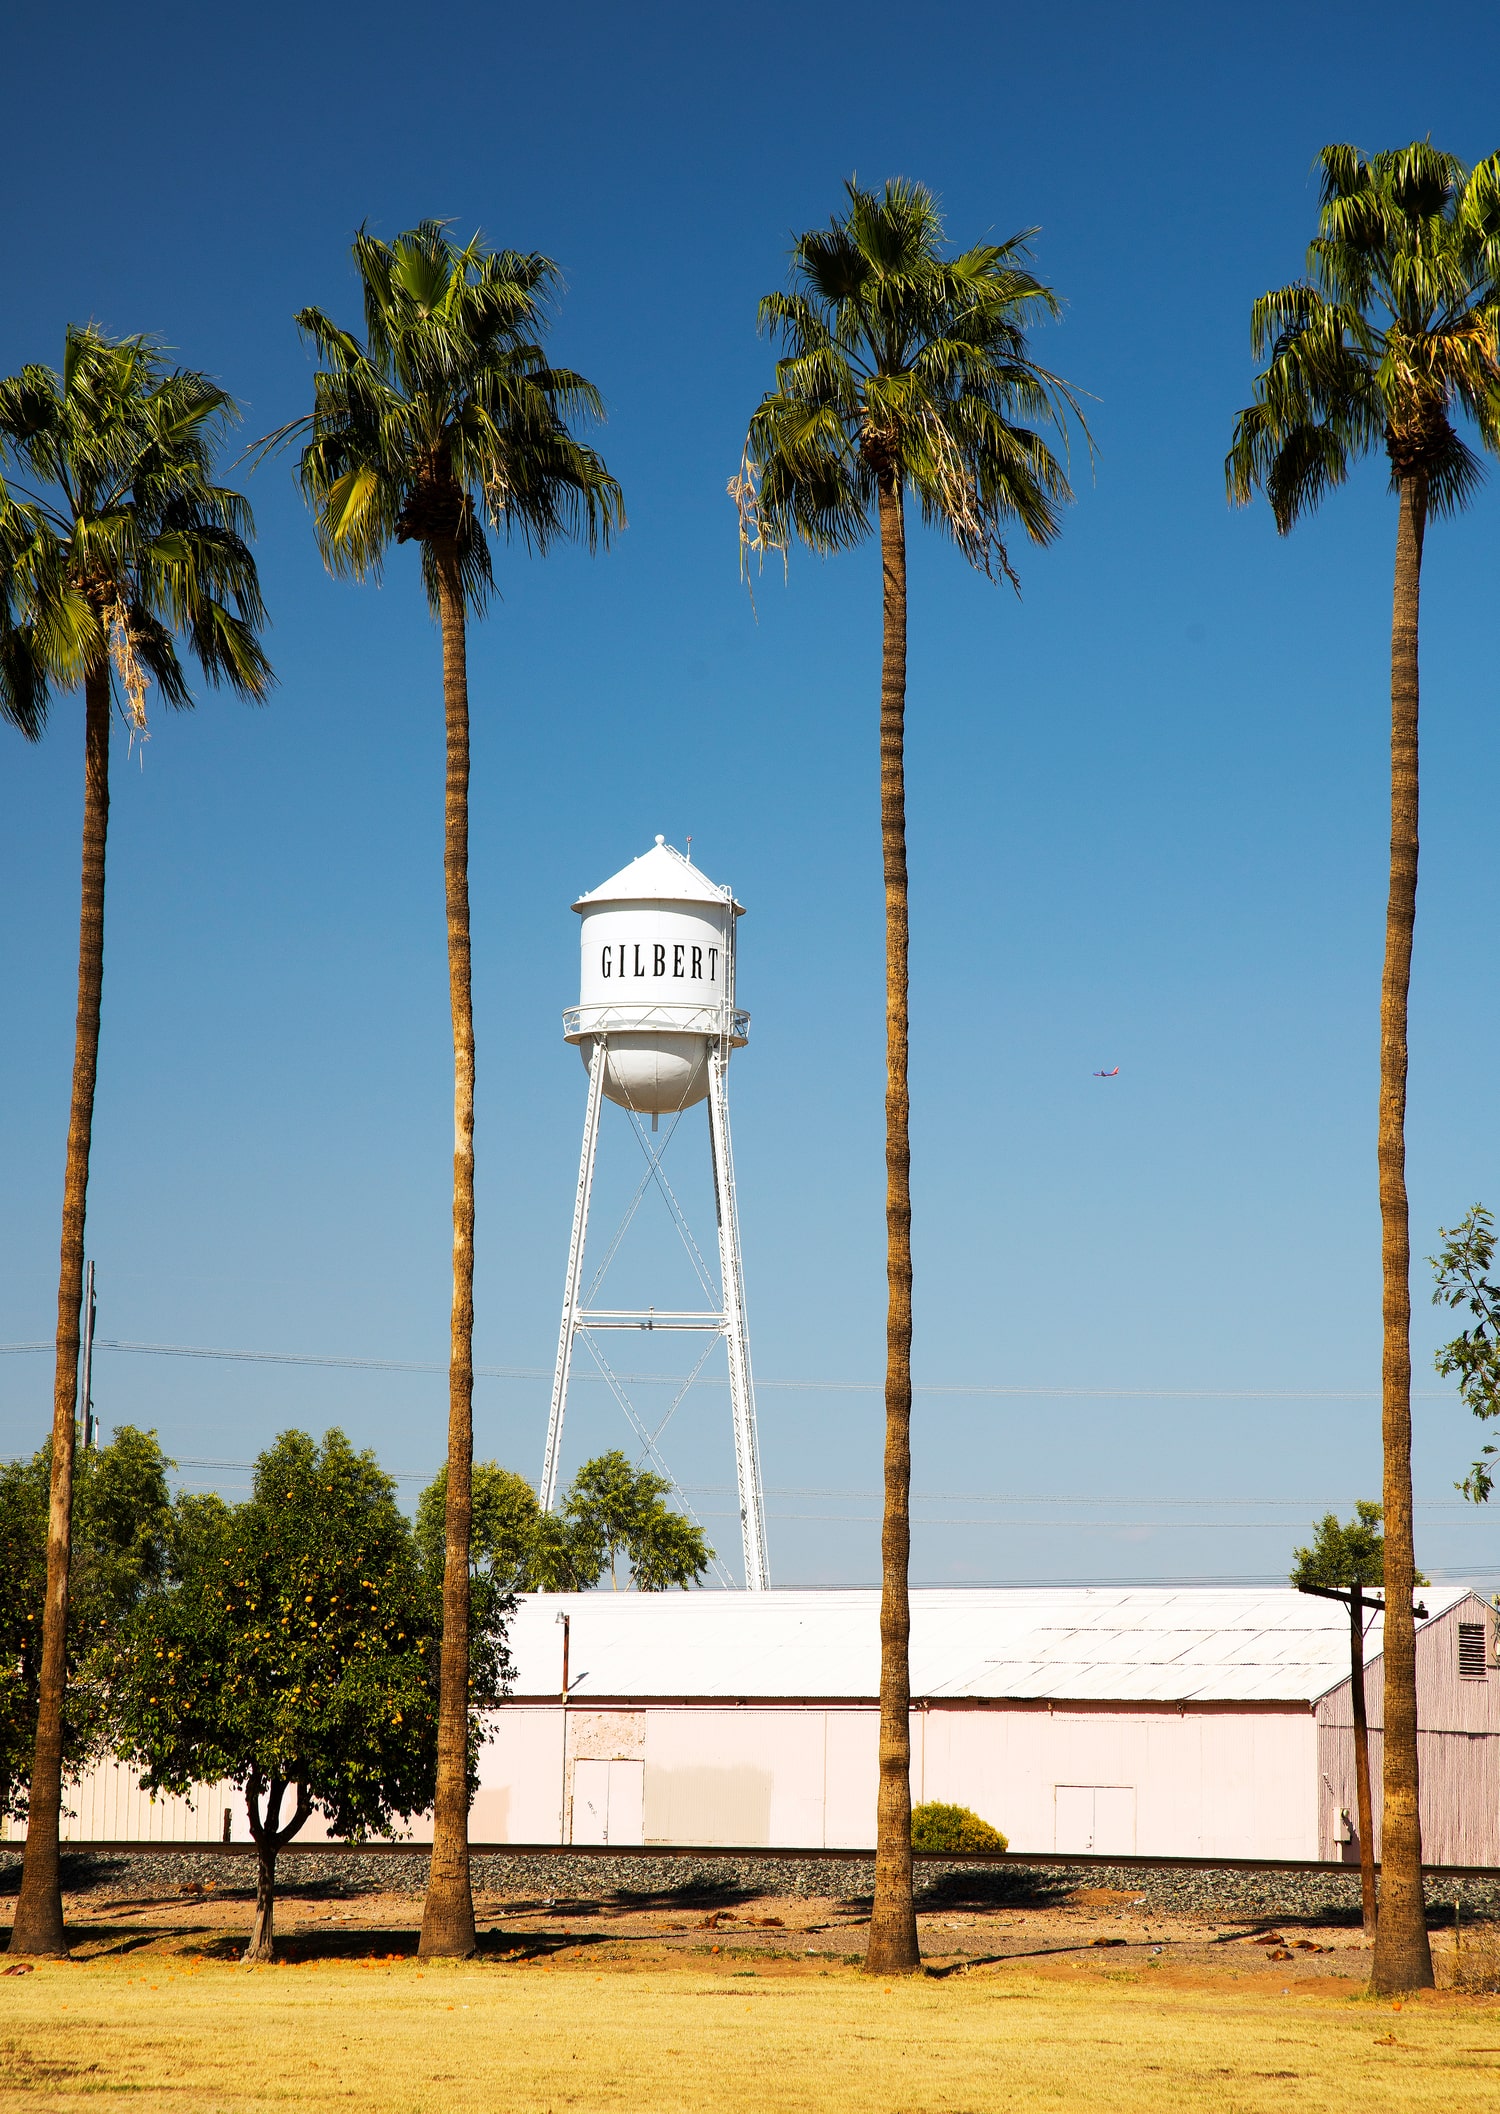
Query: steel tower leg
(737, 1342)
(548, 1490)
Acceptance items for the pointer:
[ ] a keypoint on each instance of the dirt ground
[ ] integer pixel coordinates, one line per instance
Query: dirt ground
(1099, 1931)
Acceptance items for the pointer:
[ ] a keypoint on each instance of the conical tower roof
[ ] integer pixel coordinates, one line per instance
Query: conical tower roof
(660, 875)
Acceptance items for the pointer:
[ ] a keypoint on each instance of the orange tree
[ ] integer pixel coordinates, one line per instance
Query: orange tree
(295, 1652)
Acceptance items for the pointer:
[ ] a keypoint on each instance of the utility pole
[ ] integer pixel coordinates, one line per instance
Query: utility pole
(1353, 1597)
(86, 1365)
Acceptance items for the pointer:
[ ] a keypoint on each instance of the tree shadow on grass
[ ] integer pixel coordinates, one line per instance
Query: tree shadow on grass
(114, 1944)
(298, 1947)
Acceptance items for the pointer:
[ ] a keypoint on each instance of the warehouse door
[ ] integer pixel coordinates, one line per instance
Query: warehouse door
(1095, 1819)
(608, 1801)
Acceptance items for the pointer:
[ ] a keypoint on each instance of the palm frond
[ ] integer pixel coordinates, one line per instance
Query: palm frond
(23, 686)
(130, 541)
(1391, 339)
(448, 415)
(900, 360)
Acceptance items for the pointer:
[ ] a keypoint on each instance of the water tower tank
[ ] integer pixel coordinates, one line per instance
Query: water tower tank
(658, 981)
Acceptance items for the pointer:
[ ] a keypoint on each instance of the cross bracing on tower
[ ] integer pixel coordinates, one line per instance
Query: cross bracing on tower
(656, 1025)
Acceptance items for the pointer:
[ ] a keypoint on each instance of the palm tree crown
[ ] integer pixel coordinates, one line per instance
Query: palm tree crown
(1388, 341)
(114, 537)
(448, 415)
(907, 365)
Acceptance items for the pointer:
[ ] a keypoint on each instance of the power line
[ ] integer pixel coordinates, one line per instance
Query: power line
(1475, 1578)
(1021, 1497)
(985, 1497)
(847, 1387)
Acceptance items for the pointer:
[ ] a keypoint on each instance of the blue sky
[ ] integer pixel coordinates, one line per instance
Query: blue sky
(1147, 801)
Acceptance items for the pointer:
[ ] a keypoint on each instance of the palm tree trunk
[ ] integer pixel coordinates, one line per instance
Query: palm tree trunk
(1403, 1959)
(39, 1917)
(893, 1922)
(1362, 1800)
(448, 1915)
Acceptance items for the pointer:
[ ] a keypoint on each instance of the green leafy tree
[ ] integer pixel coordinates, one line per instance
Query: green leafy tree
(611, 1514)
(1388, 343)
(667, 1549)
(502, 1534)
(1463, 1280)
(116, 547)
(566, 1555)
(905, 369)
(1343, 1555)
(617, 1514)
(121, 1520)
(295, 1651)
(445, 422)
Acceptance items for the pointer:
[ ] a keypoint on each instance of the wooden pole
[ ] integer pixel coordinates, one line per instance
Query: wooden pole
(1362, 1758)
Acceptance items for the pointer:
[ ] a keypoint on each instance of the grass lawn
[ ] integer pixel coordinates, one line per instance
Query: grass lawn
(395, 2038)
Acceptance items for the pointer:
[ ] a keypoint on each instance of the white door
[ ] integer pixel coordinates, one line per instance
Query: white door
(1114, 1820)
(609, 1801)
(627, 1802)
(590, 1801)
(1074, 1828)
(1095, 1819)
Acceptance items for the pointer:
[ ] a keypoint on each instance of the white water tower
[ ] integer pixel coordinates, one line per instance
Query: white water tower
(655, 1025)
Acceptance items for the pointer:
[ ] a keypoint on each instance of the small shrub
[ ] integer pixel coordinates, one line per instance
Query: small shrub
(1474, 1964)
(953, 1831)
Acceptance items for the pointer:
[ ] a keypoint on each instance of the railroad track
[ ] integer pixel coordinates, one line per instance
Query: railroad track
(759, 1853)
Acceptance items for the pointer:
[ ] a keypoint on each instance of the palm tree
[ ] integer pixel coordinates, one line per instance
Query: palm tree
(904, 368)
(1389, 339)
(114, 541)
(448, 416)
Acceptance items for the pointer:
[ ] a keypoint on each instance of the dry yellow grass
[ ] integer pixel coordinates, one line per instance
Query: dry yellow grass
(393, 2038)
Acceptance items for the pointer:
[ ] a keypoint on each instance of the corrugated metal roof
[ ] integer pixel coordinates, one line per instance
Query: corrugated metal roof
(1073, 1644)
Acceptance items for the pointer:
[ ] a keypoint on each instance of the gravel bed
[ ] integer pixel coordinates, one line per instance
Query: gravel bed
(1214, 1892)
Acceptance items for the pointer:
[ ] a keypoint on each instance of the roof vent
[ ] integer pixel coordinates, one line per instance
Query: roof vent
(1471, 1650)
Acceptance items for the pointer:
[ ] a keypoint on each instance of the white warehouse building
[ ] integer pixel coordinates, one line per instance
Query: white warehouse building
(1174, 1722)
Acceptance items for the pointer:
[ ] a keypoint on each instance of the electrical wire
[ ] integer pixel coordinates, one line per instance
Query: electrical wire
(846, 1387)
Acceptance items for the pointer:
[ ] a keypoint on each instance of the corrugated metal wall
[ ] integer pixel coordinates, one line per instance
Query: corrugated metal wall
(1458, 1748)
(108, 1805)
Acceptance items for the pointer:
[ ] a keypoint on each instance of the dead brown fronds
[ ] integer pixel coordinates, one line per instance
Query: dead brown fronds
(497, 491)
(973, 530)
(756, 534)
(123, 643)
